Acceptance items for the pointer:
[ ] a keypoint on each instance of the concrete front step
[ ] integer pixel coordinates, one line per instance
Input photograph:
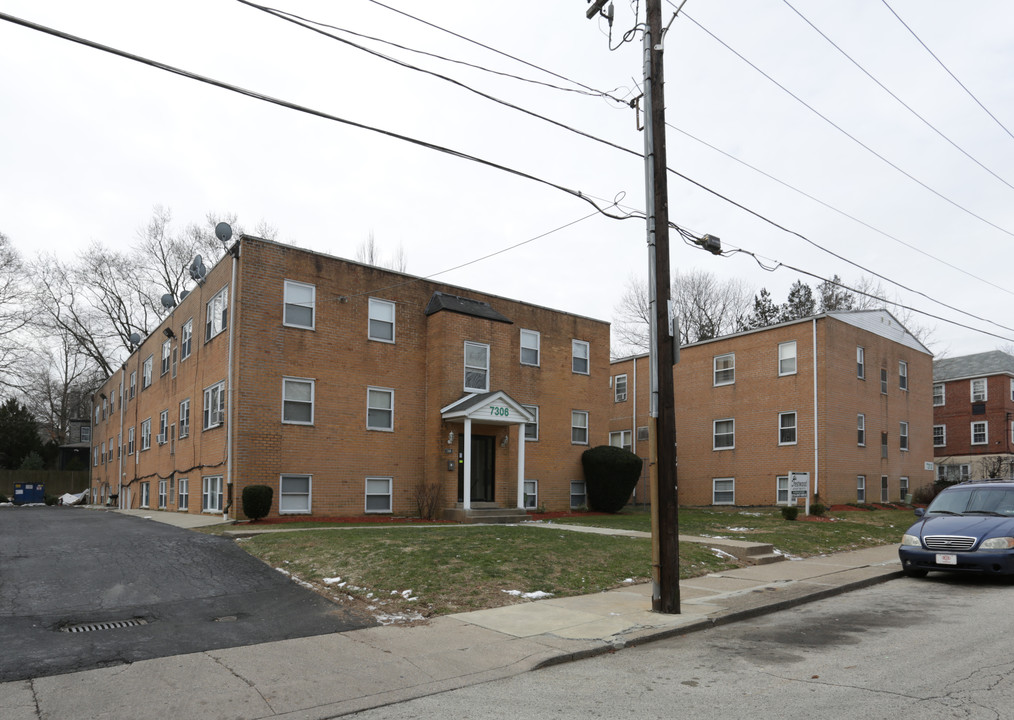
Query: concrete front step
(486, 514)
(744, 551)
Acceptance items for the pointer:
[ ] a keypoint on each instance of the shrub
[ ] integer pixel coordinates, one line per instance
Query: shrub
(610, 475)
(789, 512)
(257, 501)
(817, 509)
(4, 498)
(51, 499)
(924, 494)
(427, 499)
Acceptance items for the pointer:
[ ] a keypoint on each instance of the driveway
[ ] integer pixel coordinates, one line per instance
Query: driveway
(82, 589)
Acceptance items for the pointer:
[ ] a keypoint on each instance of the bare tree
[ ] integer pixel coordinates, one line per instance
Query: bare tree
(59, 385)
(13, 315)
(369, 253)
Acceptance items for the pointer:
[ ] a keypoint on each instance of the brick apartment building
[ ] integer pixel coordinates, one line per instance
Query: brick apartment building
(973, 416)
(349, 388)
(843, 396)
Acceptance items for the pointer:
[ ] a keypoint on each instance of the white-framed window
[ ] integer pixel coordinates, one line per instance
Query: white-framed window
(978, 388)
(903, 488)
(621, 439)
(861, 429)
(300, 303)
(105, 405)
(860, 488)
(724, 369)
(787, 358)
(167, 352)
(214, 405)
(163, 427)
(903, 375)
(98, 416)
(211, 493)
(883, 445)
(380, 409)
(579, 427)
(580, 357)
(95, 456)
(939, 435)
(146, 434)
(531, 346)
(723, 491)
(378, 494)
(145, 494)
(782, 490)
(861, 362)
(578, 494)
(133, 383)
(903, 435)
(724, 434)
(964, 471)
(186, 339)
(163, 496)
(381, 320)
(883, 381)
(185, 418)
(787, 428)
(110, 456)
(217, 318)
(130, 441)
(298, 400)
(620, 388)
(884, 492)
(938, 394)
(294, 494)
(531, 494)
(102, 454)
(183, 501)
(119, 444)
(476, 367)
(85, 434)
(146, 372)
(532, 428)
(980, 432)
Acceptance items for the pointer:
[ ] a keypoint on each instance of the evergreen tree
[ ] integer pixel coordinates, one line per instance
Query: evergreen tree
(19, 434)
(764, 312)
(800, 303)
(834, 297)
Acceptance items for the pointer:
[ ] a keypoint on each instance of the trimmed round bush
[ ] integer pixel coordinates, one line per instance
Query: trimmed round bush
(818, 509)
(790, 512)
(257, 501)
(610, 475)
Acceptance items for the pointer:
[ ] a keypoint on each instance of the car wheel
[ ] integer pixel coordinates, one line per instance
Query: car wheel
(914, 573)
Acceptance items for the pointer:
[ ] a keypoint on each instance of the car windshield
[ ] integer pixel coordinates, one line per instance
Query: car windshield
(998, 501)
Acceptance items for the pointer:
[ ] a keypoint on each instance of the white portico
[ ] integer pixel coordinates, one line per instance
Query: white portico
(494, 408)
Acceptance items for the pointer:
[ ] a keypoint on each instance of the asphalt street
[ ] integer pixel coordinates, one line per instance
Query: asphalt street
(169, 591)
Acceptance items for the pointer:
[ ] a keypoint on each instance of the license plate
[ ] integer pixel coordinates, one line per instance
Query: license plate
(947, 559)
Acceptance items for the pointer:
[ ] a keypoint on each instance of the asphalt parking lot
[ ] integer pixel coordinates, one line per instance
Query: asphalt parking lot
(82, 589)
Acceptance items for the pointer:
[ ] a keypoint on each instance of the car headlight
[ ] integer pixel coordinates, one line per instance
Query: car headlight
(910, 540)
(1000, 543)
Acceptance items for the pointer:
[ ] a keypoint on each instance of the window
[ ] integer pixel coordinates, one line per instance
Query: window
(299, 304)
(861, 427)
(167, 351)
(95, 456)
(883, 489)
(102, 453)
(903, 488)
(787, 428)
(724, 434)
(163, 487)
(532, 428)
(119, 444)
(109, 458)
(578, 497)
(531, 494)
(104, 408)
(185, 418)
(938, 394)
(723, 491)
(1012, 389)
(580, 352)
(579, 427)
(214, 405)
(294, 494)
(883, 381)
(378, 494)
(903, 436)
(186, 339)
(133, 383)
(380, 409)
(86, 434)
(145, 494)
(98, 417)
(782, 490)
(297, 401)
(476, 367)
(861, 363)
(146, 434)
(381, 324)
(183, 503)
(130, 441)
(883, 445)
(724, 367)
(621, 439)
(939, 435)
(211, 493)
(642, 433)
(787, 358)
(217, 315)
(978, 390)
(860, 488)
(146, 373)
(163, 427)
(980, 432)
(903, 375)
(620, 388)
(530, 346)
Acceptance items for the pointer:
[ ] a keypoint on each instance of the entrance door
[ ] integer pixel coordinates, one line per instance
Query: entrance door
(483, 454)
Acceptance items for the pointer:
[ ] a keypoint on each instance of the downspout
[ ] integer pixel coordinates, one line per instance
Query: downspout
(228, 383)
(633, 415)
(816, 443)
(119, 451)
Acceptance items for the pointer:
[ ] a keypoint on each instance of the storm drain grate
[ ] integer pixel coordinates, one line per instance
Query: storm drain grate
(110, 625)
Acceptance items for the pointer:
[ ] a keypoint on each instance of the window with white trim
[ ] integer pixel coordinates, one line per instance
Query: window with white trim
(884, 493)
(787, 358)
(938, 394)
(185, 418)
(903, 375)
(297, 400)
(85, 434)
(146, 373)
(723, 491)
(217, 318)
(861, 362)
(883, 381)
(903, 488)
(211, 493)
(145, 494)
(146, 434)
(531, 346)
(724, 434)
(787, 428)
(578, 494)
(861, 429)
(621, 439)
(214, 405)
(186, 339)
(163, 494)
(860, 488)
(102, 454)
(903, 435)
(476, 367)
(980, 432)
(109, 458)
(724, 369)
(183, 500)
(939, 435)
(978, 388)
(580, 357)
(782, 490)
(133, 383)
(381, 320)
(163, 427)
(380, 409)
(531, 494)
(620, 388)
(95, 456)
(579, 427)
(300, 303)
(532, 428)
(130, 441)
(294, 494)
(167, 352)
(378, 494)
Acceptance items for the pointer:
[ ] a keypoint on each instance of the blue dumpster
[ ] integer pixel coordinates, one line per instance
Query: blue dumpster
(25, 493)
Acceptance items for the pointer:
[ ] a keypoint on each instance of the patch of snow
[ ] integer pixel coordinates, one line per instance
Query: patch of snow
(385, 619)
(786, 555)
(537, 595)
(738, 529)
(628, 581)
(752, 514)
(332, 581)
(722, 555)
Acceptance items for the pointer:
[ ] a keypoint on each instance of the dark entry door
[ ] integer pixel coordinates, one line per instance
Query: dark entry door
(483, 447)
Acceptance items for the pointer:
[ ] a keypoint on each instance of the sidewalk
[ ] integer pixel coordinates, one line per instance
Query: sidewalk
(331, 675)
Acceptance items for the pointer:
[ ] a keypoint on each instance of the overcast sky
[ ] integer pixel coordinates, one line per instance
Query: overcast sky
(91, 142)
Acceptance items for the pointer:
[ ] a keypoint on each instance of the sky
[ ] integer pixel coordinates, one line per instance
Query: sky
(92, 142)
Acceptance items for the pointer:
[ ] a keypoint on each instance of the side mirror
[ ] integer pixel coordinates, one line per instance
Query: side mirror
(919, 512)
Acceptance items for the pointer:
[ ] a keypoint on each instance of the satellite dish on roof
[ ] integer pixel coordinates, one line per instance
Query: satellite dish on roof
(168, 301)
(184, 294)
(223, 231)
(197, 270)
(135, 339)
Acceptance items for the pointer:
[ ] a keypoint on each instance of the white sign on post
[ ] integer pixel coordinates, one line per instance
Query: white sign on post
(799, 487)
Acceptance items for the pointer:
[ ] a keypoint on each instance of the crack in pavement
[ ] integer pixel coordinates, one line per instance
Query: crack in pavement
(243, 679)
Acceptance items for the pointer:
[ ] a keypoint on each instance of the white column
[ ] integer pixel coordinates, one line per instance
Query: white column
(467, 482)
(521, 466)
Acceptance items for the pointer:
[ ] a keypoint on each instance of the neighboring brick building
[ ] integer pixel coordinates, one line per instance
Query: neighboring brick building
(348, 389)
(973, 416)
(746, 406)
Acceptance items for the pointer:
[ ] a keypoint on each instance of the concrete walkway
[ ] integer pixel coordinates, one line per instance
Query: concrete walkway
(332, 675)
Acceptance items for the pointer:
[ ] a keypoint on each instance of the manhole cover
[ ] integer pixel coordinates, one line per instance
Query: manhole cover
(108, 625)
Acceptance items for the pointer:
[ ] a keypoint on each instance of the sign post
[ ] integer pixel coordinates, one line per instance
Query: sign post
(799, 487)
